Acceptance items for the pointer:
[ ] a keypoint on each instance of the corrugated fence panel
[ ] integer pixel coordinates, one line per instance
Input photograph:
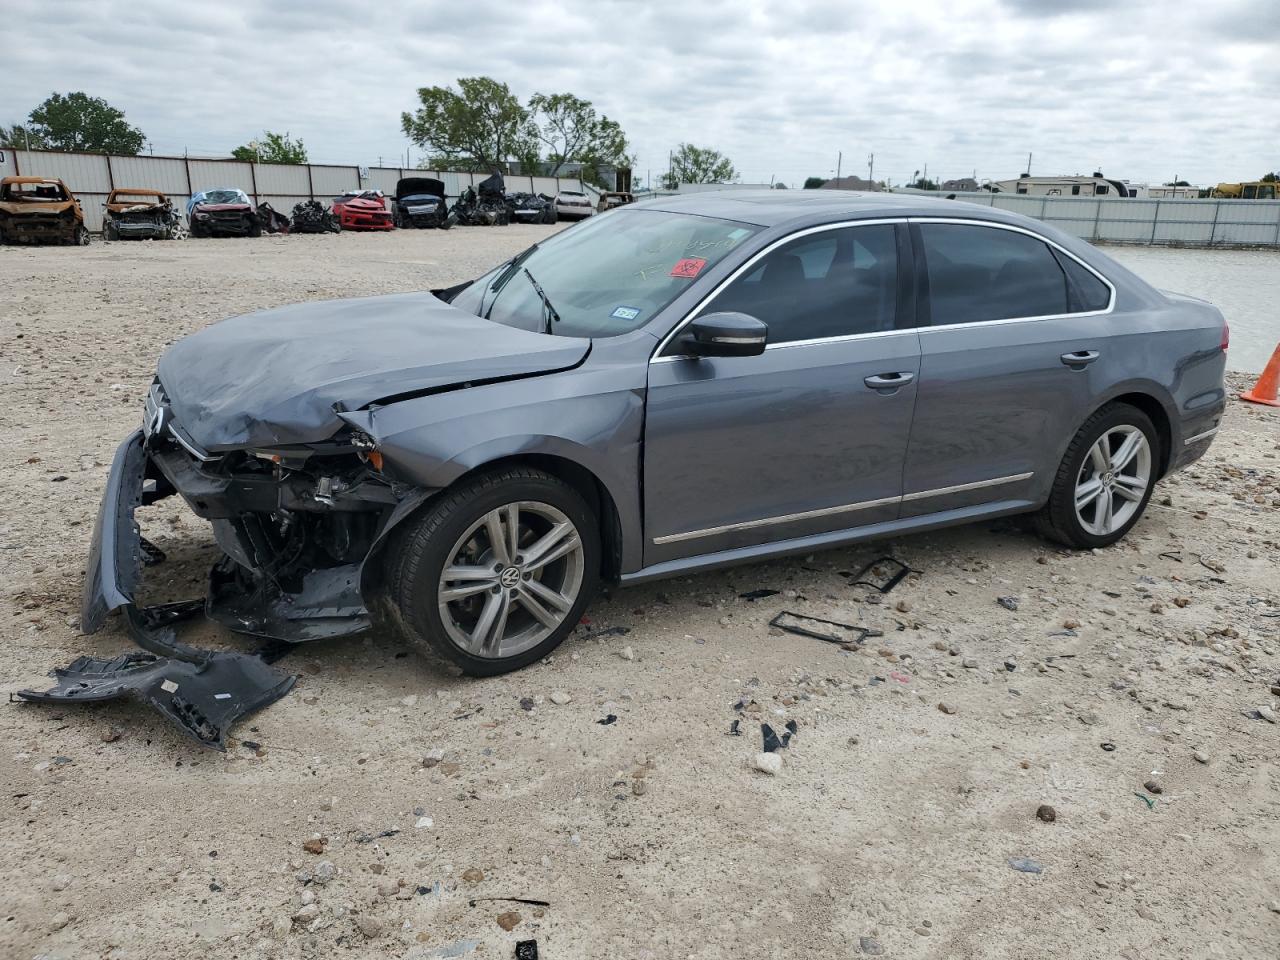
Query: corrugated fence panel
(285, 179)
(7, 168)
(548, 185)
(82, 172)
(1127, 221)
(385, 178)
(167, 175)
(1185, 221)
(1195, 222)
(333, 181)
(208, 174)
(1074, 216)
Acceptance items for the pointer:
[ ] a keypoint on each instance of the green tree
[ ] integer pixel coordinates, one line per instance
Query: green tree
(481, 123)
(80, 123)
(780, 186)
(813, 183)
(690, 164)
(16, 136)
(1271, 177)
(574, 133)
(272, 148)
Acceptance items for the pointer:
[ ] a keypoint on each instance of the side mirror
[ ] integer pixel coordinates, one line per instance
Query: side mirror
(727, 335)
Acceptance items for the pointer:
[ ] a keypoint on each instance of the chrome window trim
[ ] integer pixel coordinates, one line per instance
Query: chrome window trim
(697, 308)
(843, 508)
(1013, 228)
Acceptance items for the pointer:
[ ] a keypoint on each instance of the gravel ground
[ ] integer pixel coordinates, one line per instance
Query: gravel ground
(912, 784)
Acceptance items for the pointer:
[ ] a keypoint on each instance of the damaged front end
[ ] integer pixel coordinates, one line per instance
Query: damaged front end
(295, 526)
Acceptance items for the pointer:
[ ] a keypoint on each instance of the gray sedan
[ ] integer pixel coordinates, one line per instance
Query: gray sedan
(673, 386)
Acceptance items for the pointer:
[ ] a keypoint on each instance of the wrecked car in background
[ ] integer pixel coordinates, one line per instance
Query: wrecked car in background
(574, 205)
(136, 214)
(421, 202)
(312, 216)
(484, 205)
(272, 220)
(363, 210)
(40, 210)
(531, 208)
(223, 212)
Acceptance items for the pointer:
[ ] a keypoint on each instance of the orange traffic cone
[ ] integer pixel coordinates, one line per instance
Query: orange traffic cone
(1265, 390)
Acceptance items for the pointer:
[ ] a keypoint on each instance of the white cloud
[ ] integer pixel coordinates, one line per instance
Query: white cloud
(1134, 88)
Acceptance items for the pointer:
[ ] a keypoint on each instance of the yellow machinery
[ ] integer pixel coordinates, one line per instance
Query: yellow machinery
(1256, 190)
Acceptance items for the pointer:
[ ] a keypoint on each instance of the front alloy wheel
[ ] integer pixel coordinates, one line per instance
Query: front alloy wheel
(513, 577)
(494, 574)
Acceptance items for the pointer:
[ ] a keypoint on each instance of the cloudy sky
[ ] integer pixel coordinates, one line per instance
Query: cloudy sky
(1141, 90)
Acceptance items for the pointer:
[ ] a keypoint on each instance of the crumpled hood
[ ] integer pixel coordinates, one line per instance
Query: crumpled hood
(218, 207)
(273, 377)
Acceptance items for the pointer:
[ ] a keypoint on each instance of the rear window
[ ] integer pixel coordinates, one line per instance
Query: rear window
(1085, 292)
(979, 273)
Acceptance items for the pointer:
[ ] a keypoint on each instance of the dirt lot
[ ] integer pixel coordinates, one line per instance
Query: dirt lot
(890, 827)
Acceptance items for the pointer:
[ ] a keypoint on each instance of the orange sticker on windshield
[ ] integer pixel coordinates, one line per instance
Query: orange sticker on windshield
(688, 268)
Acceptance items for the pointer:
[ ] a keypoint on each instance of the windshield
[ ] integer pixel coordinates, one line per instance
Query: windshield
(608, 275)
(223, 196)
(34, 192)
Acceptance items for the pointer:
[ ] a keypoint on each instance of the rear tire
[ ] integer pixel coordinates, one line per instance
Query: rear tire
(1105, 480)
(506, 606)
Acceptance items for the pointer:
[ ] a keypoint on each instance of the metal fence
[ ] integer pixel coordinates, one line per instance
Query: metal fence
(91, 176)
(1191, 223)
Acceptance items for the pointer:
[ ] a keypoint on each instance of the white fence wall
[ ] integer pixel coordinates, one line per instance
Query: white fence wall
(1193, 223)
(91, 176)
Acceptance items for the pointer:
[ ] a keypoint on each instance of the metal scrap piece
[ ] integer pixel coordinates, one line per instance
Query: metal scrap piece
(830, 631)
(860, 578)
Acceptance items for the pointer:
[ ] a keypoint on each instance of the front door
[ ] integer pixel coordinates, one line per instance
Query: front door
(809, 436)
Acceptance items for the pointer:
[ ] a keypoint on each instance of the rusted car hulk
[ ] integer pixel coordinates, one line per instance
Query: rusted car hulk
(40, 210)
(137, 214)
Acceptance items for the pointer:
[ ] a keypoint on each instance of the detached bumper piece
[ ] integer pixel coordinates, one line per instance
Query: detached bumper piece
(203, 698)
(204, 692)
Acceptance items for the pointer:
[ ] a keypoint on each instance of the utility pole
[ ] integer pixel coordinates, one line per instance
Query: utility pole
(839, 160)
(871, 168)
(1028, 163)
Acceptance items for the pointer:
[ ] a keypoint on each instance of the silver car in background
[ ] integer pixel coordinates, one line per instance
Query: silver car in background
(574, 205)
(677, 385)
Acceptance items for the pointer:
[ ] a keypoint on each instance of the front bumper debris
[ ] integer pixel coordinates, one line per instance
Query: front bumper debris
(203, 691)
(204, 698)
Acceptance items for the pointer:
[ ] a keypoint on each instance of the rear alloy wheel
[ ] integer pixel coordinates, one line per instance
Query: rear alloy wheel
(1105, 480)
(495, 575)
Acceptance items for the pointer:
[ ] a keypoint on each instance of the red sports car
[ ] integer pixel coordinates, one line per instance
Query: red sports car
(363, 210)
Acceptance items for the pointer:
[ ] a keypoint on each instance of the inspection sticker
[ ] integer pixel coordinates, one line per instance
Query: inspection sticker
(688, 268)
(168, 686)
(626, 313)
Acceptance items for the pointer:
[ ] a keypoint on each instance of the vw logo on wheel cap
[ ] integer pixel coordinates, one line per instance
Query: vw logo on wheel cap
(509, 577)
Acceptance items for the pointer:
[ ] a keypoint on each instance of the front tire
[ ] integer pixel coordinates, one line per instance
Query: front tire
(494, 575)
(1105, 480)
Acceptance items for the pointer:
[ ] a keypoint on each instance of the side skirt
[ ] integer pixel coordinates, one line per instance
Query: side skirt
(825, 541)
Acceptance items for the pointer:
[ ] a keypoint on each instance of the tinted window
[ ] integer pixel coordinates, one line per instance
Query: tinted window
(828, 284)
(1084, 290)
(982, 273)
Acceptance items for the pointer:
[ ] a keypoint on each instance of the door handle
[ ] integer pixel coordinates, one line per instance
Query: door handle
(889, 381)
(1080, 358)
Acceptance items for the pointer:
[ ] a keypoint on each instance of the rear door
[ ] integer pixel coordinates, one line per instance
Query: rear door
(809, 436)
(1013, 328)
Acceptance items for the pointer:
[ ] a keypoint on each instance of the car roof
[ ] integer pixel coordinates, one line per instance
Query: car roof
(772, 208)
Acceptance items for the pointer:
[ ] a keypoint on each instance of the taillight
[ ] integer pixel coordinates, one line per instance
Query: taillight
(1226, 336)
